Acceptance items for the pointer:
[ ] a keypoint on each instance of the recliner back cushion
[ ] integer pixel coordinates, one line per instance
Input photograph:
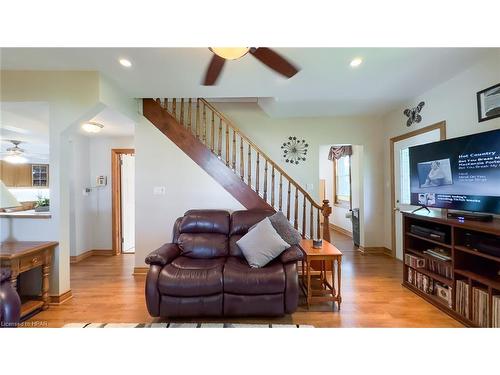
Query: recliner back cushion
(205, 221)
(203, 245)
(203, 233)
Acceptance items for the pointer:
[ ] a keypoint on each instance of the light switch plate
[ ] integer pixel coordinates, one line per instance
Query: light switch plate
(159, 190)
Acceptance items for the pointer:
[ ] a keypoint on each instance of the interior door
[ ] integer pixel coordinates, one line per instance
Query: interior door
(128, 202)
(402, 180)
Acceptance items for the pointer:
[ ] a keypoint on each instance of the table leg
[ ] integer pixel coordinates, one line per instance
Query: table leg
(308, 270)
(339, 277)
(302, 270)
(13, 279)
(45, 285)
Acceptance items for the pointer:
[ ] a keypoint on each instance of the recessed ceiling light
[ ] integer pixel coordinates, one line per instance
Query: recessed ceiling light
(92, 127)
(356, 62)
(126, 63)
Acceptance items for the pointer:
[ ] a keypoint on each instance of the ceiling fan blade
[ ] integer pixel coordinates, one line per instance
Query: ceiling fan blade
(274, 61)
(213, 70)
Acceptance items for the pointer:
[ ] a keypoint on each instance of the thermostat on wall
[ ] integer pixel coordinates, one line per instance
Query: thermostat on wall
(101, 181)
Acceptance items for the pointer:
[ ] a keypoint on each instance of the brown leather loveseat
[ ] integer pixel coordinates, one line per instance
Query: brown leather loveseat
(203, 272)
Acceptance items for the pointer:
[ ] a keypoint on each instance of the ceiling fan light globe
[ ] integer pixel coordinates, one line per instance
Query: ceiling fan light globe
(15, 159)
(230, 53)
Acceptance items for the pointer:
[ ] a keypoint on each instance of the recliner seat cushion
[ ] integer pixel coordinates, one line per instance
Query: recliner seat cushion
(240, 278)
(188, 277)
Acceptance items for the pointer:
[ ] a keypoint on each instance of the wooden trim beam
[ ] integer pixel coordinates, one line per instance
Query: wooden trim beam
(116, 178)
(89, 253)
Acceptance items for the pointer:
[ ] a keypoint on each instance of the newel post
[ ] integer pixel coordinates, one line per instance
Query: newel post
(326, 210)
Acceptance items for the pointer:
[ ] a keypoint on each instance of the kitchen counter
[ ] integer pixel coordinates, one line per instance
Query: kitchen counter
(28, 214)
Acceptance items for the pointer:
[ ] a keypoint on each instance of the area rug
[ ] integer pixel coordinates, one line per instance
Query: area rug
(182, 325)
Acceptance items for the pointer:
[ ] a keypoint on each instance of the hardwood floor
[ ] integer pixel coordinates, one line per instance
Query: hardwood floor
(104, 290)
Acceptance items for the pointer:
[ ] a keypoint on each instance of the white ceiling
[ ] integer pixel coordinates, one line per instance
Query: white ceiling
(326, 84)
(27, 122)
(115, 124)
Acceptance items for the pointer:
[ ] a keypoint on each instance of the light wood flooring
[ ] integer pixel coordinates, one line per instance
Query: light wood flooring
(104, 290)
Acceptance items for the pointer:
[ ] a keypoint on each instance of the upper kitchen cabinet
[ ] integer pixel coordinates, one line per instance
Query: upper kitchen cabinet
(24, 175)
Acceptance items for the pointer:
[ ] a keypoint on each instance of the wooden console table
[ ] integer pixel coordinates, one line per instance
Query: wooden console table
(328, 256)
(22, 256)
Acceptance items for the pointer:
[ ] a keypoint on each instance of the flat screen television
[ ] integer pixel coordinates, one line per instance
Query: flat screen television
(460, 173)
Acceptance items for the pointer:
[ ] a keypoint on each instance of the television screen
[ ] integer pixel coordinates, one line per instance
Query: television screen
(460, 173)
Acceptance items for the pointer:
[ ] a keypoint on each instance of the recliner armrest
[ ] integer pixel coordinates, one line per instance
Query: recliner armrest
(163, 255)
(292, 254)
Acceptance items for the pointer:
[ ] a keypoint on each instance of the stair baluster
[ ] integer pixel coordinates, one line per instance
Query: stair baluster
(249, 167)
(219, 146)
(265, 181)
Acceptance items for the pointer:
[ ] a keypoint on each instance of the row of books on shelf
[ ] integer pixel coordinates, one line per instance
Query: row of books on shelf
(480, 305)
(496, 312)
(436, 266)
(430, 286)
(440, 268)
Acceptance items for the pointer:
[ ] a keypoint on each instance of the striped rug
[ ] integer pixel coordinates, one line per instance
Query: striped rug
(182, 325)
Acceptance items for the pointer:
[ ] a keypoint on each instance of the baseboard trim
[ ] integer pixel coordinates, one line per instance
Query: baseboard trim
(140, 271)
(375, 250)
(336, 228)
(89, 253)
(60, 299)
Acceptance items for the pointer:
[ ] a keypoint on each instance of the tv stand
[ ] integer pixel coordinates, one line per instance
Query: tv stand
(456, 285)
(422, 207)
(472, 216)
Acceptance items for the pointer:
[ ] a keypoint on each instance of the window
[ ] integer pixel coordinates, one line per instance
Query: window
(342, 181)
(404, 176)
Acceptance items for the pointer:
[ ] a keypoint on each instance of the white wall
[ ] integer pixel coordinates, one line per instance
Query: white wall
(80, 212)
(28, 195)
(100, 164)
(159, 162)
(269, 133)
(453, 101)
(91, 223)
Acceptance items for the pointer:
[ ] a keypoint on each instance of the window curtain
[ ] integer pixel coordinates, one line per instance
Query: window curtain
(336, 152)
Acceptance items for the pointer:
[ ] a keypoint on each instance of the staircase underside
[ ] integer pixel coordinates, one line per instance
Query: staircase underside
(202, 156)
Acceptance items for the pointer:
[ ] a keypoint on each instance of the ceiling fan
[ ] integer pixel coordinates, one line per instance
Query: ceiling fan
(17, 155)
(265, 55)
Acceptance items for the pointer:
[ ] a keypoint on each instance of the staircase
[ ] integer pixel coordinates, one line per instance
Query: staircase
(236, 163)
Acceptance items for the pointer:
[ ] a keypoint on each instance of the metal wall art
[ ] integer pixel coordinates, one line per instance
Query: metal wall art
(413, 114)
(294, 150)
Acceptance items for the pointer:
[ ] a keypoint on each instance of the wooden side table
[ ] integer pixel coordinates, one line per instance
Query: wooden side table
(22, 256)
(328, 256)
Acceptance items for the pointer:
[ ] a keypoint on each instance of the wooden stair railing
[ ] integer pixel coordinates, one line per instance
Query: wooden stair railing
(254, 167)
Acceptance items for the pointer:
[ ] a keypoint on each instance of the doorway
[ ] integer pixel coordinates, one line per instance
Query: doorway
(123, 200)
(400, 172)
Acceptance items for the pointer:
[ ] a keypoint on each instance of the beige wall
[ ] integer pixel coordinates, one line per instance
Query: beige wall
(453, 101)
(269, 133)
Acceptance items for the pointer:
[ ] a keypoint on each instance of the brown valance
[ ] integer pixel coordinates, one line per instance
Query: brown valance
(336, 152)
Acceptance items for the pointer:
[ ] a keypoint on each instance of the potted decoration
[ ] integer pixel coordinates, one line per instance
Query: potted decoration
(42, 205)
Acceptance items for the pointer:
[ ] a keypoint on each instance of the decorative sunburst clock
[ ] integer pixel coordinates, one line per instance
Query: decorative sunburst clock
(294, 150)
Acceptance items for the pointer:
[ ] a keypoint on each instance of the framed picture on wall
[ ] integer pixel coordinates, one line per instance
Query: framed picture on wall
(488, 103)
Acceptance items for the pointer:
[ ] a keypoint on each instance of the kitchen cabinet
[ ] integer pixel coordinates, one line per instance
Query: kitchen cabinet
(24, 175)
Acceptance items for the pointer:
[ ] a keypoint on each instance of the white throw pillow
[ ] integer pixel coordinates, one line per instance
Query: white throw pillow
(262, 244)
